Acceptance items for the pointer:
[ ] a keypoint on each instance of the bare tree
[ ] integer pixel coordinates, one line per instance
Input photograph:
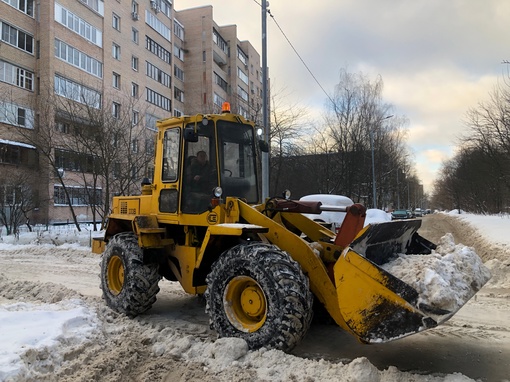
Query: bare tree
(17, 199)
(489, 130)
(94, 148)
(111, 147)
(288, 125)
(356, 115)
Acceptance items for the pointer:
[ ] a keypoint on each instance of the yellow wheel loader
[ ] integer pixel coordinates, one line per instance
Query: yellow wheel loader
(260, 265)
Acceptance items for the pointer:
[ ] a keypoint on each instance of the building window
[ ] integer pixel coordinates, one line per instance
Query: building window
(220, 81)
(134, 63)
(17, 38)
(134, 35)
(13, 114)
(116, 110)
(116, 51)
(16, 76)
(10, 154)
(242, 93)
(244, 112)
(116, 80)
(218, 100)
(242, 75)
(179, 53)
(178, 73)
(218, 40)
(95, 5)
(177, 113)
(116, 22)
(134, 90)
(135, 117)
(134, 145)
(77, 92)
(150, 121)
(78, 59)
(158, 75)
(153, 47)
(78, 25)
(134, 7)
(25, 6)
(242, 56)
(62, 127)
(158, 100)
(179, 30)
(178, 94)
(165, 7)
(78, 196)
(157, 25)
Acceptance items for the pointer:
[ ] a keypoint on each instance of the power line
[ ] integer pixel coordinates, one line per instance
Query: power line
(297, 53)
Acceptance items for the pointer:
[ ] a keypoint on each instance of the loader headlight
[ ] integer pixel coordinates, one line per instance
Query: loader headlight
(286, 194)
(218, 191)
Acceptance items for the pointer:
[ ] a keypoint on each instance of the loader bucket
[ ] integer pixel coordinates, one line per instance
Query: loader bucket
(377, 306)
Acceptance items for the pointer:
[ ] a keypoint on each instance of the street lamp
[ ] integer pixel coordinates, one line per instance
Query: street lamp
(373, 159)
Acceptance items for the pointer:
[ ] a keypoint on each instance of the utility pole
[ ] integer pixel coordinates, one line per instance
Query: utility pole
(265, 117)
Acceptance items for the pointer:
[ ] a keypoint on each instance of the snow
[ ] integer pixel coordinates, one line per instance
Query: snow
(375, 215)
(445, 279)
(39, 335)
(328, 200)
(28, 327)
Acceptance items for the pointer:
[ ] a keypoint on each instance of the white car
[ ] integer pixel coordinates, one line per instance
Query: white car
(334, 219)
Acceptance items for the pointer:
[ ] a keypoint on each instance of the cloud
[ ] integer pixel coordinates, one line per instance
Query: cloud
(437, 58)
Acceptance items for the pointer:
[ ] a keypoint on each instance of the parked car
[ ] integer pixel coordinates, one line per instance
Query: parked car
(400, 214)
(330, 219)
(418, 212)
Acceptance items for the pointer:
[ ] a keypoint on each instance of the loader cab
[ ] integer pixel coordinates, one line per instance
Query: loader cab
(202, 154)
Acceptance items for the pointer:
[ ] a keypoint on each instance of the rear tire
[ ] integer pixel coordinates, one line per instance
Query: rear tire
(129, 286)
(258, 293)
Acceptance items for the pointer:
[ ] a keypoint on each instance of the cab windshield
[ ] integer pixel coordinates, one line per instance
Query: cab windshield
(237, 161)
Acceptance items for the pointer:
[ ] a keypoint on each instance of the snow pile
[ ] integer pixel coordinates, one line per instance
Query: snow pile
(445, 279)
(500, 271)
(33, 335)
(230, 358)
(59, 237)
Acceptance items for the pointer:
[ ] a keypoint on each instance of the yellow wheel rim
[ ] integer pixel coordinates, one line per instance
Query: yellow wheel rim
(115, 275)
(245, 304)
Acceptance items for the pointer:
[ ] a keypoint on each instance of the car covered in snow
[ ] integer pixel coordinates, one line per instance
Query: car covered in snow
(331, 219)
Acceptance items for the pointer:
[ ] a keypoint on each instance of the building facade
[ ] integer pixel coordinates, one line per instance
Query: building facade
(91, 68)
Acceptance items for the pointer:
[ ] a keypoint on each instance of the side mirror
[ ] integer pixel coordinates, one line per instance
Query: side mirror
(264, 147)
(190, 134)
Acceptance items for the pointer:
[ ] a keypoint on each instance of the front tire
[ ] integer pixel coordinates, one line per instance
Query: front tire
(258, 293)
(129, 286)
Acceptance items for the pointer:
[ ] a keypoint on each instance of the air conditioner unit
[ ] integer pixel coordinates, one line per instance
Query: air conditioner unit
(134, 16)
(155, 6)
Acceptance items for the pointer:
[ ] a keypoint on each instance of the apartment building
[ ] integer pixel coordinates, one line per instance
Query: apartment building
(121, 63)
(219, 67)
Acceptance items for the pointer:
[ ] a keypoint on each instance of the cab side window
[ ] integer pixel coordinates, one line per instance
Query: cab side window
(171, 154)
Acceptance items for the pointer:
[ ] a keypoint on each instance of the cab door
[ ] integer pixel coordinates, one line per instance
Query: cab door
(168, 200)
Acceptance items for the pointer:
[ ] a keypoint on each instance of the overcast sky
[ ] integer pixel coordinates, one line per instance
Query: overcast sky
(437, 58)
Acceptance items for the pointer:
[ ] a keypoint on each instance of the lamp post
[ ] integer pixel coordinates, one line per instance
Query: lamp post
(373, 158)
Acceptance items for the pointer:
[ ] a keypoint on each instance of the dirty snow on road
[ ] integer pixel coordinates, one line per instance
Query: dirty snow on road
(77, 338)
